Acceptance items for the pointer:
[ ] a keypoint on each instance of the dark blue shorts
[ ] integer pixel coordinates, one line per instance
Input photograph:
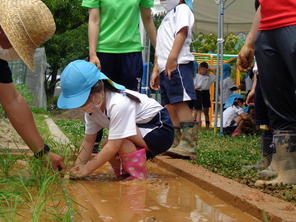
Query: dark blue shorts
(123, 68)
(5, 73)
(203, 100)
(180, 87)
(161, 138)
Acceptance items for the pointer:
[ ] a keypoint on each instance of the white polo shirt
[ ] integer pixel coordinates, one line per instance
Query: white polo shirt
(203, 82)
(230, 113)
(172, 23)
(122, 114)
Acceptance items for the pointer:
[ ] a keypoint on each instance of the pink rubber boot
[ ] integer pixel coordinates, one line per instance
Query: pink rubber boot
(135, 164)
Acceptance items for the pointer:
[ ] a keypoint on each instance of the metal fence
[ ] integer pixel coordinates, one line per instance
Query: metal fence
(33, 80)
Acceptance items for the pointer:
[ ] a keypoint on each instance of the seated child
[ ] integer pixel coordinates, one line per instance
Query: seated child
(233, 117)
(137, 124)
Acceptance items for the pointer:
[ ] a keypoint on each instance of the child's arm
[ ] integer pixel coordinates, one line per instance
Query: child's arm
(154, 78)
(110, 149)
(180, 38)
(86, 149)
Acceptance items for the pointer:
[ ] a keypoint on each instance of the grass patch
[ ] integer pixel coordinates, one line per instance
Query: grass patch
(226, 155)
(41, 125)
(32, 192)
(73, 129)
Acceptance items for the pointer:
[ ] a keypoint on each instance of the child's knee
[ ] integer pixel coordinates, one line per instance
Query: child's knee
(127, 147)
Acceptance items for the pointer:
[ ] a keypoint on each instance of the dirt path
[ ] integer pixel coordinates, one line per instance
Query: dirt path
(9, 139)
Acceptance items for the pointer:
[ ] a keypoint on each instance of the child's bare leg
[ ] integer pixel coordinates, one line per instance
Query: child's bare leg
(198, 117)
(239, 122)
(183, 112)
(174, 117)
(207, 117)
(194, 114)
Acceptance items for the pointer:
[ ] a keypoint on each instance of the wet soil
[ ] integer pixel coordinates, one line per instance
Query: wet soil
(162, 197)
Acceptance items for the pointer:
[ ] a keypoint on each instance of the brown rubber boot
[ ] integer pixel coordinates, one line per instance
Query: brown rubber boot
(188, 141)
(284, 160)
(177, 137)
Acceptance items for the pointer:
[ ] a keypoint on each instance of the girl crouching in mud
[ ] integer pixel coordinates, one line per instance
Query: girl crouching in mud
(139, 127)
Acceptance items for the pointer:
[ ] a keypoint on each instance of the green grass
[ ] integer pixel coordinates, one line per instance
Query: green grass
(73, 129)
(33, 192)
(41, 125)
(227, 155)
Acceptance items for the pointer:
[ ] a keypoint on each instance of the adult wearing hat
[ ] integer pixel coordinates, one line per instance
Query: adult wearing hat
(24, 25)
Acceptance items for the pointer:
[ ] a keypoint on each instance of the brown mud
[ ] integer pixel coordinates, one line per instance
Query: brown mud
(248, 199)
(164, 196)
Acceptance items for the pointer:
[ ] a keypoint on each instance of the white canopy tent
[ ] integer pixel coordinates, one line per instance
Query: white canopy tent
(238, 15)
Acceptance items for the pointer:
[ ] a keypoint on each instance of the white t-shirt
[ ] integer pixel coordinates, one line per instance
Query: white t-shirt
(172, 23)
(227, 85)
(122, 114)
(203, 82)
(230, 113)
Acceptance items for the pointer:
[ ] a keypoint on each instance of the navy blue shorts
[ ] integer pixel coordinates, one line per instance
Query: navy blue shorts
(161, 138)
(5, 73)
(123, 68)
(180, 87)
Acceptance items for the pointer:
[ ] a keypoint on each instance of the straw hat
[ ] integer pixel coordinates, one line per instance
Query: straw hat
(27, 24)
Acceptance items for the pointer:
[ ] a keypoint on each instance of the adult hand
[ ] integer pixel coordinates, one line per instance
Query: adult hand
(154, 80)
(245, 60)
(95, 60)
(250, 98)
(171, 65)
(56, 161)
(79, 171)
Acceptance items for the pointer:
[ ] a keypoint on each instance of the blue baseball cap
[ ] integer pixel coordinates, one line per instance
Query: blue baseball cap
(77, 79)
(232, 99)
(189, 3)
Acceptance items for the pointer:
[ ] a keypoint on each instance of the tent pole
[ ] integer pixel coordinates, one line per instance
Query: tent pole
(220, 58)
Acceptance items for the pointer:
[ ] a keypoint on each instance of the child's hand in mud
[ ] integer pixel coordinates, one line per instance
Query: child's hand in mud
(79, 171)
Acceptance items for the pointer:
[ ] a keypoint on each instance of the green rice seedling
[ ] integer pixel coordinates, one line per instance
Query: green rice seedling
(40, 205)
(7, 161)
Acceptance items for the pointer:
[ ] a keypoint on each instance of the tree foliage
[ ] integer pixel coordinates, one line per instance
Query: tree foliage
(70, 40)
(208, 43)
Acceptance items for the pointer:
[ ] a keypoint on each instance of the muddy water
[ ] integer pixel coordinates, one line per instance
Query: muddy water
(162, 197)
